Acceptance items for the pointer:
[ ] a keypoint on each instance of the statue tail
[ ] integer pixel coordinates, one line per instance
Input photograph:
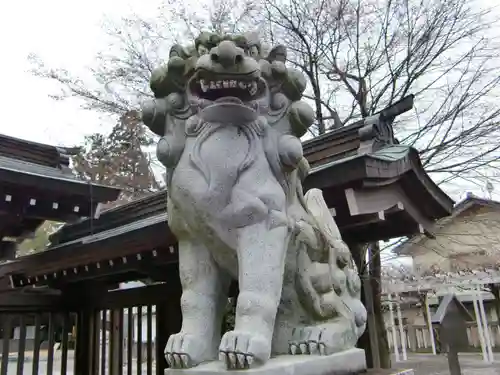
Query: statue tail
(329, 285)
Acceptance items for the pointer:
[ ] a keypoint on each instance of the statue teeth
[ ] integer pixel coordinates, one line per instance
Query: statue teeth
(252, 88)
(204, 86)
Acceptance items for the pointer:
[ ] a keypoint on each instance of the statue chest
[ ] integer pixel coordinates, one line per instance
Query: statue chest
(224, 174)
(215, 157)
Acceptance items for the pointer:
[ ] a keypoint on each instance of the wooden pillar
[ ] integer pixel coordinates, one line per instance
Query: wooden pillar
(393, 328)
(88, 326)
(482, 339)
(371, 332)
(161, 337)
(115, 342)
(429, 325)
(86, 339)
(484, 319)
(453, 362)
(412, 338)
(369, 339)
(402, 332)
(168, 322)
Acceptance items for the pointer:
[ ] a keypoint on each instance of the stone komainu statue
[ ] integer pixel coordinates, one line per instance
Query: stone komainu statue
(230, 122)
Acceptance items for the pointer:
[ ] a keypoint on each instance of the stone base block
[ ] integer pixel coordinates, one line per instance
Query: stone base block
(346, 363)
(391, 372)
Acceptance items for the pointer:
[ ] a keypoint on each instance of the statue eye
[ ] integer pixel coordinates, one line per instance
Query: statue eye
(202, 50)
(253, 51)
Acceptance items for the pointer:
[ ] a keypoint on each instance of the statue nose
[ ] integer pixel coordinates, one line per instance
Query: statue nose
(226, 54)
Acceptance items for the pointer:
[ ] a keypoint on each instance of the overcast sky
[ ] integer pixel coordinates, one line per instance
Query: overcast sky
(62, 33)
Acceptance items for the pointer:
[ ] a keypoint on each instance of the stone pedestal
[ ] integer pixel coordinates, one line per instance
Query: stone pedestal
(390, 372)
(349, 362)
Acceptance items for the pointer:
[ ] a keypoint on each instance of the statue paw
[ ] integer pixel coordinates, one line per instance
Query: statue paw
(185, 351)
(241, 350)
(322, 339)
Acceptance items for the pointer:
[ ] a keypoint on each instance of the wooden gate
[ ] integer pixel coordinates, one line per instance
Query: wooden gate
(125, 331)
(36, 342)
(98, 333)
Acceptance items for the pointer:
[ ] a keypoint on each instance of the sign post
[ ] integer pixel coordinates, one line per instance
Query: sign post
(450, 318)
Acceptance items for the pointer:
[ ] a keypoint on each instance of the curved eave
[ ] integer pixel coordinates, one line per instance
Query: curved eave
(407, 167)
(32, 152)
(430, 186)
(382, 195)
(54, 180)
(380, 168)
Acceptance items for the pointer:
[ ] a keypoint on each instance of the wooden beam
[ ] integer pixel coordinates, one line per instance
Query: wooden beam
(149, 260)
(152, 271)
(12, 301)
(114, 218)
(149, 239)
(8, 250)
(151, 294)
(56, 183)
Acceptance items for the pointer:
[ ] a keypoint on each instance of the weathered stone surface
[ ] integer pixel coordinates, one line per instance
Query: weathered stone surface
(390, 372)
(349, 362)
(230, 121)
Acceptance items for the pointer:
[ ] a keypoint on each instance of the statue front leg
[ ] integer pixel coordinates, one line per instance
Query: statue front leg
(204, 296)
(261, 259)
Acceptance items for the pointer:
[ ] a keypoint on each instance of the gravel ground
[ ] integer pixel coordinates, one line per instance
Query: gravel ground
(472, 364)
(423, 364)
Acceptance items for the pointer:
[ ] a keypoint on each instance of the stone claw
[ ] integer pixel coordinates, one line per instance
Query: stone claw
(242, 361)
(322, 349)
(236, 361)
(322, 340)
(243, 350)
(313, 347)
(184, 351)
(303, 348)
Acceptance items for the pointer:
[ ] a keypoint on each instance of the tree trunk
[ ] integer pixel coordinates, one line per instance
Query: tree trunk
(376, 281)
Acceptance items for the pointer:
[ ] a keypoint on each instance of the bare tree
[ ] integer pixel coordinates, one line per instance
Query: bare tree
(306, 27)
(120, 76)
(361, 56)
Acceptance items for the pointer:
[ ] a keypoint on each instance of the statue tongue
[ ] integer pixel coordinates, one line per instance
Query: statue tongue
(228, 110)
(230, 99)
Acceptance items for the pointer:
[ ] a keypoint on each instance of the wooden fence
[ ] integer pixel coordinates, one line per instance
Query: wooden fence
(35, 354)
(113, 333)
(418, 337)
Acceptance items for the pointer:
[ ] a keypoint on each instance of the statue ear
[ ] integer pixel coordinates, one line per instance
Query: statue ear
(178, 50)
(278, 53)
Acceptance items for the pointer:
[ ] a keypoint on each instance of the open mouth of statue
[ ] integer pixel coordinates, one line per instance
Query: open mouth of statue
(245, 88)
